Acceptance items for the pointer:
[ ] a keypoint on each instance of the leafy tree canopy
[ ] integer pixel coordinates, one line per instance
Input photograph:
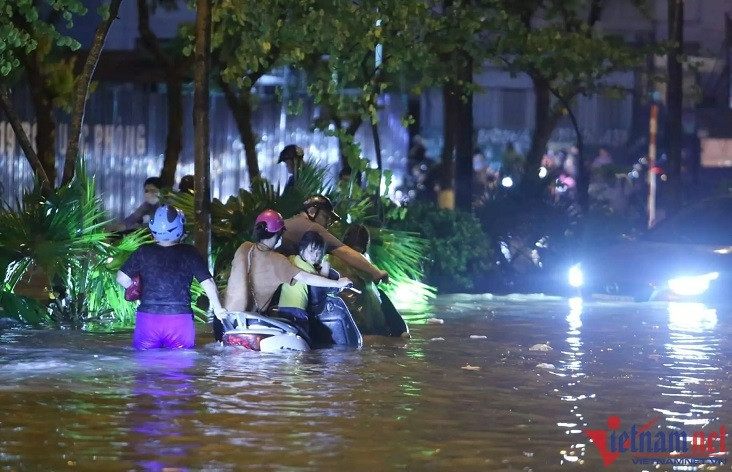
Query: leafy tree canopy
(559, 41)
(24, 25)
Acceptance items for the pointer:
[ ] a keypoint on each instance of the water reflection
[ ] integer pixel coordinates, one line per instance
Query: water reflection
(692, 359)
(97, 405)
(164, 400)
(572, 368)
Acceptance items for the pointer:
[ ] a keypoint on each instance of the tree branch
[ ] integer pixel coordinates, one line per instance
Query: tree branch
(148, 37)
(25, 143)
(595, 11)
(82, 90)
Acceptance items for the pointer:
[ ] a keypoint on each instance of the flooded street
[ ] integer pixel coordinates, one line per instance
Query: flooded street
(504, 383)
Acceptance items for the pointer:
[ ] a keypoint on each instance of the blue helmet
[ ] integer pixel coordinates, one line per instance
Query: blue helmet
(167, 224)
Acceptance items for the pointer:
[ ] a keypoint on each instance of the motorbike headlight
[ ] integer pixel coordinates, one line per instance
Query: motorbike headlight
(692, 285)
(575, 277)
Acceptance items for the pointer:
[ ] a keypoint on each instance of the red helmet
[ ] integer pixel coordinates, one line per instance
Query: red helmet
(272, 219)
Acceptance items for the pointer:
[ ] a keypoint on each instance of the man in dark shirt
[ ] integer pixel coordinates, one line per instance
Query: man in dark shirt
(316, 215)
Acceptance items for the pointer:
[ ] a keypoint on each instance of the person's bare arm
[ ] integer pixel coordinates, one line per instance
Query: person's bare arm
(357, 261)
(318, 281)
(213, 296)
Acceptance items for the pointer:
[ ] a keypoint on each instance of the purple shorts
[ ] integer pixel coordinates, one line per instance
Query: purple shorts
(167, 331)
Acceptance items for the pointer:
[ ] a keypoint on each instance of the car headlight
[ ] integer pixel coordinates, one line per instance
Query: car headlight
(575, 277)
(692, 285)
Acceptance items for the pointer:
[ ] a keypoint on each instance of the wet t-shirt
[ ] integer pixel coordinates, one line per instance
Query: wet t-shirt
(166, 274)
(296, 295)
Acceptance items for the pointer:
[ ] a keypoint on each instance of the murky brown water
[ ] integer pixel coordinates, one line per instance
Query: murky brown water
(79, 401)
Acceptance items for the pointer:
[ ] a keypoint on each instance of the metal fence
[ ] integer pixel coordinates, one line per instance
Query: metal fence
(123, 142)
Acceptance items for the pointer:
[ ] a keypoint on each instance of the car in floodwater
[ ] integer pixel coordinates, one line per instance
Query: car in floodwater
(686, 257)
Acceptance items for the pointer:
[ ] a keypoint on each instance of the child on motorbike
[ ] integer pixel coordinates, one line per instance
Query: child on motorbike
(294, 299)
(166, 270)
(318, 214)
(257, 270)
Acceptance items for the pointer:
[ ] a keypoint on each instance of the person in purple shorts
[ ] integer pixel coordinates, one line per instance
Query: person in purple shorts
(166, 270)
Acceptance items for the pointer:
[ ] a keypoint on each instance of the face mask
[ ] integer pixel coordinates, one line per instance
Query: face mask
(152, 196)
(278, 243)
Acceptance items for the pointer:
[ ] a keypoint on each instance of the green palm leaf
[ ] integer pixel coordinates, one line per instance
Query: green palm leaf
(63, 236)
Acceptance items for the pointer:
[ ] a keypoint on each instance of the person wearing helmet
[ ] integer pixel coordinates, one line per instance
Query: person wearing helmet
(317, 215)
(166, 271)
(257, 270)
(292, 155)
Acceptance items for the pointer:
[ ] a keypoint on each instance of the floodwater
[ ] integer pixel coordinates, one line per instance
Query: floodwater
(467, 394)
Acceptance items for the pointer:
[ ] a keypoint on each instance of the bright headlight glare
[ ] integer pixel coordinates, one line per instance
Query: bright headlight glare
(574, 277)
(692, 285)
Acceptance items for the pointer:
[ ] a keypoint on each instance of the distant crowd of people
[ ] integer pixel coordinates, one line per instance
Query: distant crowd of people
(559, 168)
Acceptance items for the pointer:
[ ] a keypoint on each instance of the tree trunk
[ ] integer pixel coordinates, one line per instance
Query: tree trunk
(582, 181)
(377, 145)
(241, 107)
(45, 121)
(25, 144)
(464, 146)
(174, 140)
(546, 120)
(81, 93)
(414, 109)
(674, 101)
(174, 83)
(351, 129)
(201, 98)
(45, 134)
(451, 107)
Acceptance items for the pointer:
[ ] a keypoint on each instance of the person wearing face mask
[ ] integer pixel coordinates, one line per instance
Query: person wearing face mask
(316, 215)
(257, 271)
(141, 216)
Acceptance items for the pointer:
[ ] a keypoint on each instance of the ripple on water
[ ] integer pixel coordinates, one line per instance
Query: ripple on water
(93, 402)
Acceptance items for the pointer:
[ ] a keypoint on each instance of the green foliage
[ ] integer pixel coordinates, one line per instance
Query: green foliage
(399, 252)
(22, 29)
(561, 46)
(250, 37)
(566, 50)
(362, 50)
(62, 236)
(458, 248)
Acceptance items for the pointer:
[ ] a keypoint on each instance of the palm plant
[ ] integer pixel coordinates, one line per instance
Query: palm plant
(232, 222)
(62, 235)
(401, 253)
